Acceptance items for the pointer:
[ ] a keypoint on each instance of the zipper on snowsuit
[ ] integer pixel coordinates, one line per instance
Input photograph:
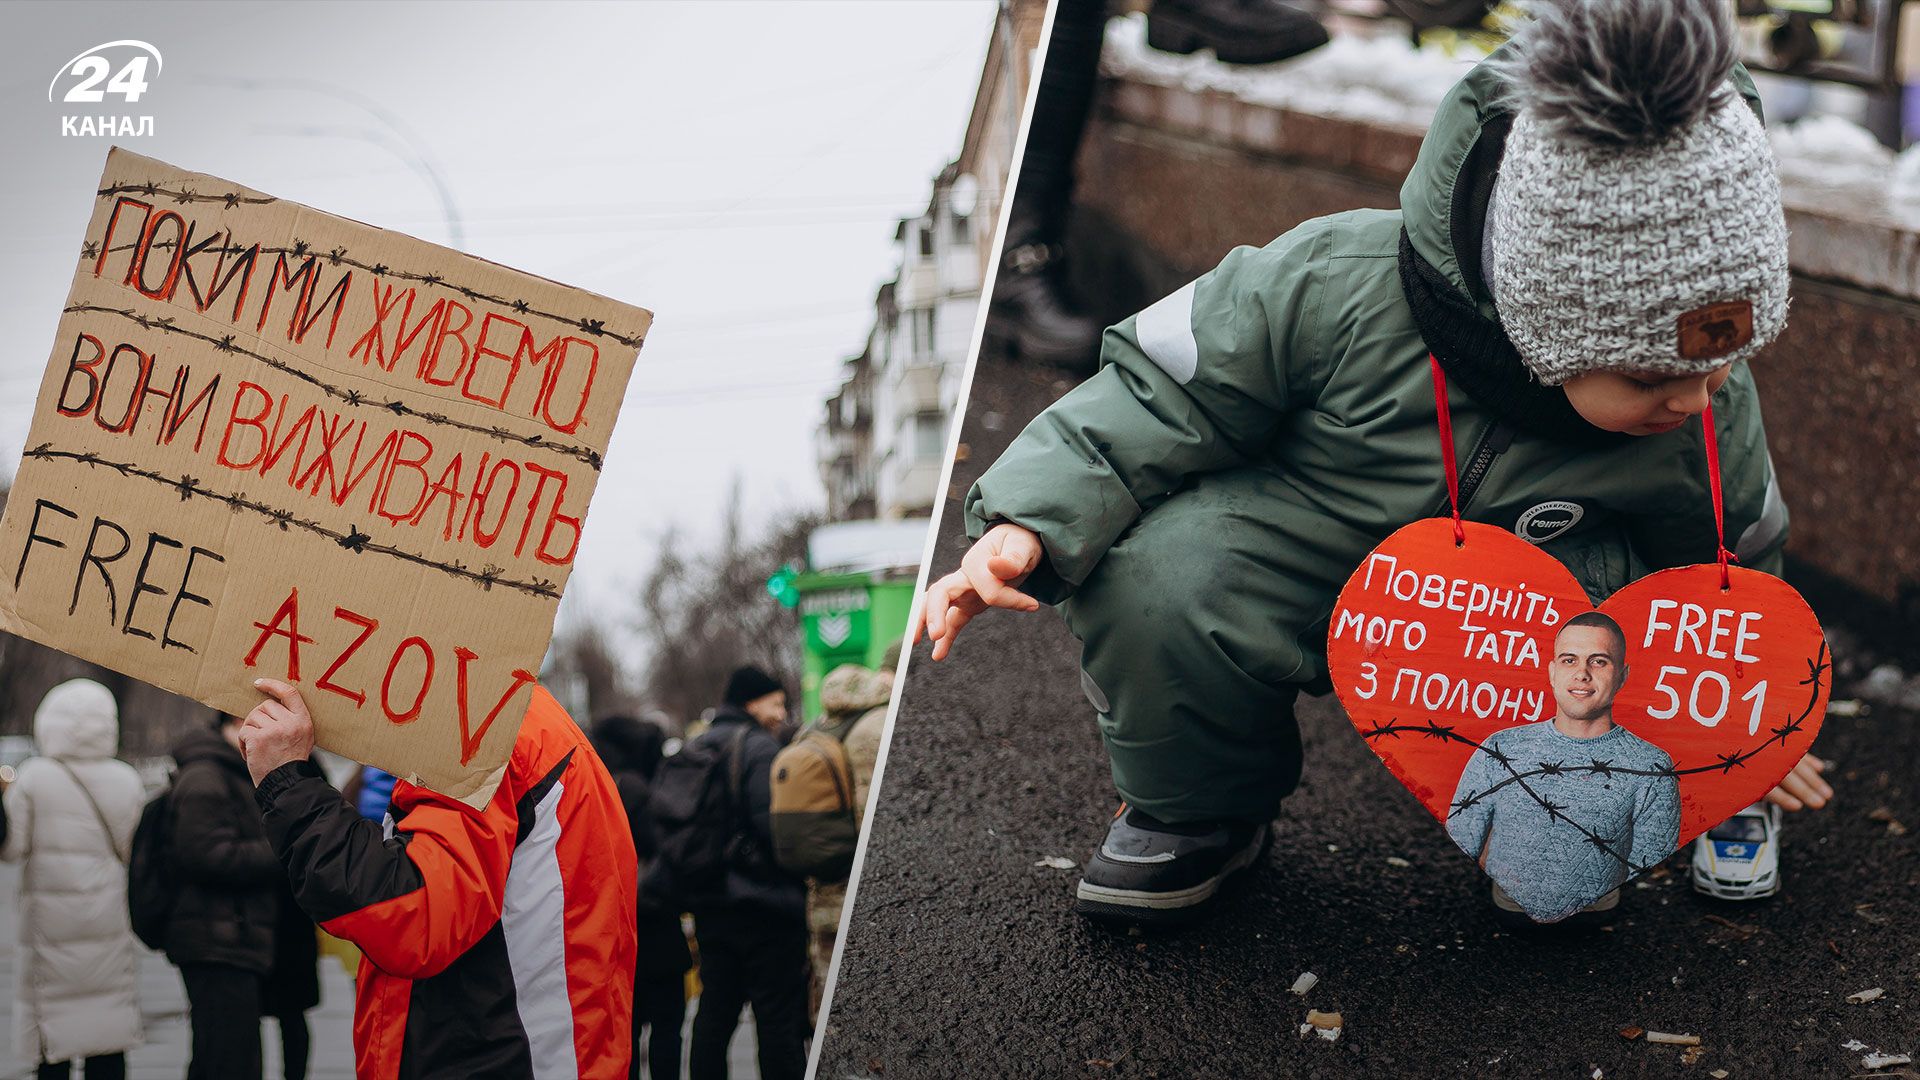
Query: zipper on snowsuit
(1493, 442)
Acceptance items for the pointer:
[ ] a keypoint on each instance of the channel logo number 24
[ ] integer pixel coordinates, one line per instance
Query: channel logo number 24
(94, 68)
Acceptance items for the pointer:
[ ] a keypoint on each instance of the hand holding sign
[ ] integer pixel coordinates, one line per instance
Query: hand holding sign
(278, 730)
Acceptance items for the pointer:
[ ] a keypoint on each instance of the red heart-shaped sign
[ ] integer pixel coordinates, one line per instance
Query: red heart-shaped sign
(1568, 750)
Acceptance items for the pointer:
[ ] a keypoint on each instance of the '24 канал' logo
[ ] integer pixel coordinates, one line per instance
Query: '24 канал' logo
(114, 69)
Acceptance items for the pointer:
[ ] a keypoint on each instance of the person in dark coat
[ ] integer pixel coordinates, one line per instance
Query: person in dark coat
(221, 932)
(293, 984)
(631, 750)
(753, 943)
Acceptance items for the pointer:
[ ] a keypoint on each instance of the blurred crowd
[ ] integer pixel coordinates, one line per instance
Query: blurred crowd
(744, 835)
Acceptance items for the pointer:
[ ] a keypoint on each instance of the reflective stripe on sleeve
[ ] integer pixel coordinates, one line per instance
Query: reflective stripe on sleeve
(1165, 332)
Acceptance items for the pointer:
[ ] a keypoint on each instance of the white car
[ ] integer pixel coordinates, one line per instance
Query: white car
(1739, 859)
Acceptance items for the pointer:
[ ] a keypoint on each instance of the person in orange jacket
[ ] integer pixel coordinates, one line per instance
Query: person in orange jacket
(496, 942)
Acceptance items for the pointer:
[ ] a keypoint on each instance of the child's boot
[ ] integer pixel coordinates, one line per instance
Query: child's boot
(1151, 871)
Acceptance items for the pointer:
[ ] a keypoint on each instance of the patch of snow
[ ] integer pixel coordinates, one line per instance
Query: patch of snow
(1828, 142)
(1383, 79)
(1828, 152)
(1905, 184)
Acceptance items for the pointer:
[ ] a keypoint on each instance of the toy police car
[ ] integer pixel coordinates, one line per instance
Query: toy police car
(1739, 859)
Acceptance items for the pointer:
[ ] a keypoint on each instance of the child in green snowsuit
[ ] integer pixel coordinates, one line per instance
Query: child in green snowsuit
(1591, 243)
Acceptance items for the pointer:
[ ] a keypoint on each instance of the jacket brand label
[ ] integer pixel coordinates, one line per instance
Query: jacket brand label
(1548, 520)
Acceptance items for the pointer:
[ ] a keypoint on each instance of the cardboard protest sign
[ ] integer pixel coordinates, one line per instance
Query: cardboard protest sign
(274, 442)
(1568, 749)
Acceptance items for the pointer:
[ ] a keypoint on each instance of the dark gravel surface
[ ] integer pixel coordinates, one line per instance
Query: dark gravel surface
(965, 960)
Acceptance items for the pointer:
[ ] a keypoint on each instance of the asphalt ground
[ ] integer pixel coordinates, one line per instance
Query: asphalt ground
(964, 958)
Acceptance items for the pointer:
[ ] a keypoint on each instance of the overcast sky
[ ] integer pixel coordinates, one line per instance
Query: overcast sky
(736, 167)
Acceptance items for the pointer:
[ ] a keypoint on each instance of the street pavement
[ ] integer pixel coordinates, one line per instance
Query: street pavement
(964, 958)
(163, 1005)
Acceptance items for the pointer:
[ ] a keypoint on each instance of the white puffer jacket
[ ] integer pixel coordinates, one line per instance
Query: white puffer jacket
(78, 983)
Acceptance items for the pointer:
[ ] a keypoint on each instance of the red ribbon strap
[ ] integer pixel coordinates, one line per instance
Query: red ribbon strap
(1719, 511)
(1446, 448)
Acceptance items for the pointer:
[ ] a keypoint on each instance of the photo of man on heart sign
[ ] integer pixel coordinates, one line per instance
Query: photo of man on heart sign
(1573, 833)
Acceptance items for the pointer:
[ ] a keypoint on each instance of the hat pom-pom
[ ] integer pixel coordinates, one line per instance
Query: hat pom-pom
(1621, 72)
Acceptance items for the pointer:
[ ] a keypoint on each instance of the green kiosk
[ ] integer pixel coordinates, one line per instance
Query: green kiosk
(854, 596)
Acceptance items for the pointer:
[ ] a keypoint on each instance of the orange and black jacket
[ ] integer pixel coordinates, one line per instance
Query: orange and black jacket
(496, 942)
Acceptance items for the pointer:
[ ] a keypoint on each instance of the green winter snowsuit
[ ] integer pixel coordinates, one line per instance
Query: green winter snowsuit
(1248, 439)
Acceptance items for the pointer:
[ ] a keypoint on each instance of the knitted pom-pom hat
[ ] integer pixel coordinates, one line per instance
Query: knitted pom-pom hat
(1636, 221)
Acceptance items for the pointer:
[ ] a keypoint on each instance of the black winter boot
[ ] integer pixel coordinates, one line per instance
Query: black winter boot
(1032, 317)
(1031, 314)
(1238, 31)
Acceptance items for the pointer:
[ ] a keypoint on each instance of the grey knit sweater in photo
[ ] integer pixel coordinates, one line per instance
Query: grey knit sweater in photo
(1550, 867)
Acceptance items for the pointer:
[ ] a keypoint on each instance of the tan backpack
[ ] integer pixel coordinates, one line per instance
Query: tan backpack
(815, 828)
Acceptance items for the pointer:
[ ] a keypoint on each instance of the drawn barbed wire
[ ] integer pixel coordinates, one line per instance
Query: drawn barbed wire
(338, 257)
(150, 190)
(229, 343)
(1817, 669)
(353, 539)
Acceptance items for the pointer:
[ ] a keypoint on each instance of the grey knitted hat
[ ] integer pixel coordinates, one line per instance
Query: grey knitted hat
(1636, 223)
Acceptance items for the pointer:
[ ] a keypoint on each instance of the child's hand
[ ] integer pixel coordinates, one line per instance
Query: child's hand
(1803, 787)
(989, 576)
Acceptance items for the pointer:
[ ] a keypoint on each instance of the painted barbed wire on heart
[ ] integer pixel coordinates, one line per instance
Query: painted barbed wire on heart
(1817, 670)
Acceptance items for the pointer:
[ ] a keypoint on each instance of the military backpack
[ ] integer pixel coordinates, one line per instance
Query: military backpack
(814, 824)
